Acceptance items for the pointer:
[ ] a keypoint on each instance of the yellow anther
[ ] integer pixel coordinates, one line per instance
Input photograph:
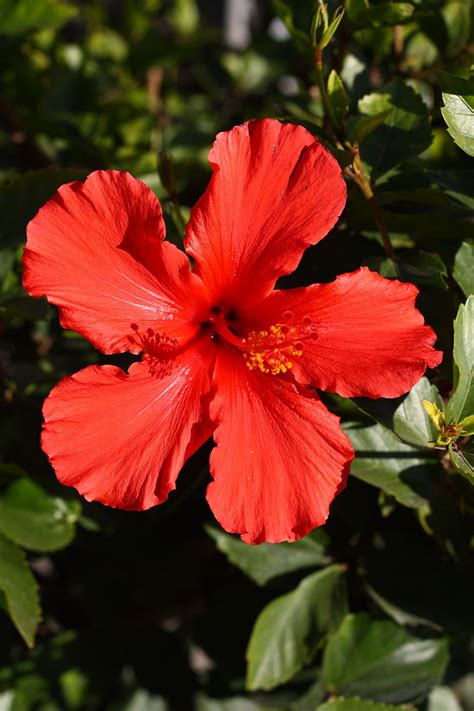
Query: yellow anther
(271, 351)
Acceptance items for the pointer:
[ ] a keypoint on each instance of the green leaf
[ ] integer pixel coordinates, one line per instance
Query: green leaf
(344, 158)
(406, 473)
(381, 661)
(458, 111)
(456, 17)
(21, 198)
(462, 459)
(20, 590)
(419, 213)
(411, 422)
(442, 698)
(363, 126)
(19, 16)
(404, 133)
(266, 561)
(468, 425)
(313, 696)
(357, 704)
(356, 9)
(331, 30)
(417, 267)
(390, 13)
(34, 519)
(237, 703)
(74, 687)
(337, 96)
(400, 616)
(423, 269)
(184, 15)
(410, 575)
(461, 404)
(463, 270)
(289, 629)
(383, 14)
(449, 185)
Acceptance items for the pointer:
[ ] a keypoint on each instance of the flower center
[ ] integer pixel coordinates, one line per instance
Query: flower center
(272, 351)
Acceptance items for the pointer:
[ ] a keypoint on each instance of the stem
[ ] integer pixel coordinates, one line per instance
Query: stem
(328, 110)
(380, 222)
(359, 177)
(357, 174)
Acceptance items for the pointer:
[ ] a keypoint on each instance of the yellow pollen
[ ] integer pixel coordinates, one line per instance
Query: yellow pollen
(271, 351)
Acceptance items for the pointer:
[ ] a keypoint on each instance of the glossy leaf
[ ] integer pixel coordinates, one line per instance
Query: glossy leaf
(417, 267)
(34, 519)
(289, 629)
(382, 460)
(448, 185)
(397, 614)
(411, 421)
(423, 269)
(461, 404)
(404, 133)
(463, 270)
(20, 589)
(458, 111)
(266, 561)
(462, 457)
(433, 580)
(363, 126)
(382, 661)
(311, 698)
(415, 214)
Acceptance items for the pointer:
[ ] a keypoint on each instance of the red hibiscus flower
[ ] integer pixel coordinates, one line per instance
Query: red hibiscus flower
(223, 352)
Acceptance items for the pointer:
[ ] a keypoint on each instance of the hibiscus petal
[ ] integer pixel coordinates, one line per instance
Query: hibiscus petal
(280, 458)
(122, 439)
(366, 337)
(275, 191)
(96, 250)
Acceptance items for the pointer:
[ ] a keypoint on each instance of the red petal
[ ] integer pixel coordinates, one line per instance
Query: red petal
(96, 251)
(280, 459)
(366, 337)
(275, 191)
(122, 439)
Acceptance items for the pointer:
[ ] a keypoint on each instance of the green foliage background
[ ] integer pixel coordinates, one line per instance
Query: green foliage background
(107, 610)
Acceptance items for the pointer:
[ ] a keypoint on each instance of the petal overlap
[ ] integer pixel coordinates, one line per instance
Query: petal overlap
(275, 191)
(366, 336)
(280, 455)
(122, 439)
(96, 250)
